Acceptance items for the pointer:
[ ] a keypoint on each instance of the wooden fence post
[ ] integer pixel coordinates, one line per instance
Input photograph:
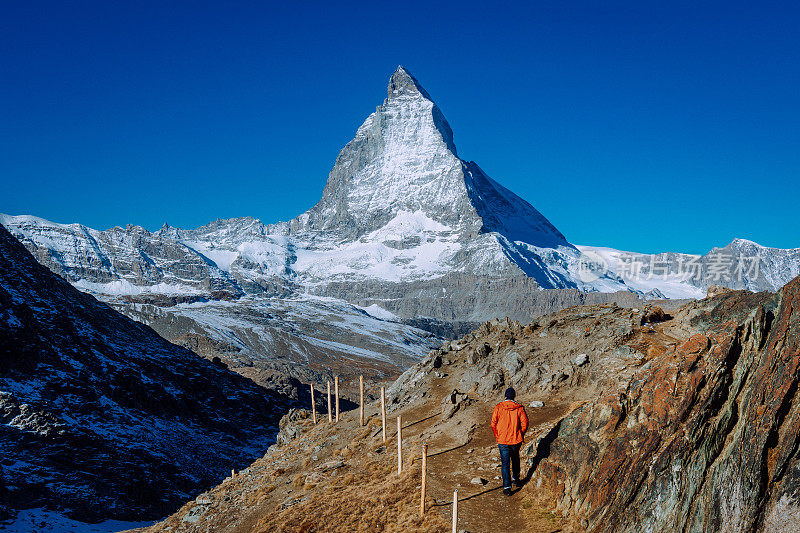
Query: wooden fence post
(424, 478)
(383, 412)
(361, 392)
(455, 511)
(399, 445)
(336, 385)
(330, 410)
(313, 406)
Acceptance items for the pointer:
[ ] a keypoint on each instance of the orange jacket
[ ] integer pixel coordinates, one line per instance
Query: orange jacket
(509, 422)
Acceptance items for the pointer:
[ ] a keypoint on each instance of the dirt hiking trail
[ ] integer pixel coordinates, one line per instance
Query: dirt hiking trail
(468, 451)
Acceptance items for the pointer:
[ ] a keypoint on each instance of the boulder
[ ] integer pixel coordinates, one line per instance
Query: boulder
(653, 315)
(716, 290)
(580, 359)
(480, 352)
(314, 478)
(512, 363)
(330, 465)
(496, 380)
(289, 427)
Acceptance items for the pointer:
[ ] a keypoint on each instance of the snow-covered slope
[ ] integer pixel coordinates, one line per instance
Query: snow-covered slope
(226, 290)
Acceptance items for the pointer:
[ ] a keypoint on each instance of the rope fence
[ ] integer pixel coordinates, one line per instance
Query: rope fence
(333, 401)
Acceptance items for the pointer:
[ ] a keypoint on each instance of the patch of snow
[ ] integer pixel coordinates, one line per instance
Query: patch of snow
(220, 257)
(378, 312)
(41, 520)
(123, 287)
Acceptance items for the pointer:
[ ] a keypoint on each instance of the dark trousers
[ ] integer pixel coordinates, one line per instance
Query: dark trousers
(509, 463)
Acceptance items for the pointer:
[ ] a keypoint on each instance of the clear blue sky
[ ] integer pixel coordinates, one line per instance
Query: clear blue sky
(639, 125)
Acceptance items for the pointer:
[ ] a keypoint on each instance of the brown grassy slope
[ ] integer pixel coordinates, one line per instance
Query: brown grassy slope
(335, 477)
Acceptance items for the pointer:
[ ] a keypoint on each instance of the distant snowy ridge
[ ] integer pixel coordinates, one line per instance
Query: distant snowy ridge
(223, 290)
(742, 264)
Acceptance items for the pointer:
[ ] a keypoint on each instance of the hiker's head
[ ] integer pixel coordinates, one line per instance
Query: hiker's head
(511, 393)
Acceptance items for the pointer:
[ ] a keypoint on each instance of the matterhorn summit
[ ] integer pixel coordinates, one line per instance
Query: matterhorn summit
(403, 160)
(400, 185)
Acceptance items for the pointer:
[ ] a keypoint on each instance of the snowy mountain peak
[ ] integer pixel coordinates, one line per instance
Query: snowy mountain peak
(403, 164)
(737, 242)
(403, 83)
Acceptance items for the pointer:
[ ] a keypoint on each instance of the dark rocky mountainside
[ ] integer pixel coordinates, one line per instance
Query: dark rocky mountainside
(100, 417)
(641, 420)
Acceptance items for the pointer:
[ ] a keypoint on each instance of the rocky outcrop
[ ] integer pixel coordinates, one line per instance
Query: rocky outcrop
(716, 290)
(703, 437)
(100, 417)
(289, 428)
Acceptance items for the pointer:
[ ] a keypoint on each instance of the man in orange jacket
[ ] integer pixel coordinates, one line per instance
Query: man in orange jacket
(509, 424)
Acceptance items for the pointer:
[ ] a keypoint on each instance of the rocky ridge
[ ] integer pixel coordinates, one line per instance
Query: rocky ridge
(703, 437)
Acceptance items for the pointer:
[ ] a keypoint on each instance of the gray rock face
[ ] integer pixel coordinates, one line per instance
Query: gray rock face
(470, 298)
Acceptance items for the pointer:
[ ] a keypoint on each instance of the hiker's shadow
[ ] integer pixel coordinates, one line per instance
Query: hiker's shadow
(542, 451)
